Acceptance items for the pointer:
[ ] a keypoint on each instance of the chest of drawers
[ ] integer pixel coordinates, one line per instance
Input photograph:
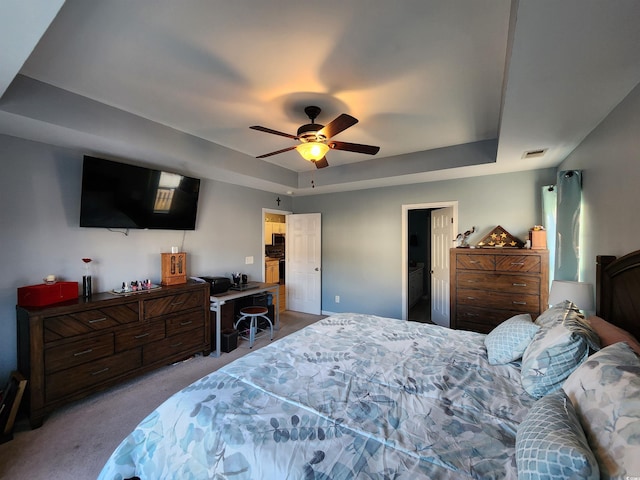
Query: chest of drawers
(70, 350)
(489, 286)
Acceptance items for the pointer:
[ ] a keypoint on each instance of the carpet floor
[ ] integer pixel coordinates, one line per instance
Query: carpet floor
(76, 440)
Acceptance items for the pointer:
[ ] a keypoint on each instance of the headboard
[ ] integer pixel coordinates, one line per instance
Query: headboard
(618, 291)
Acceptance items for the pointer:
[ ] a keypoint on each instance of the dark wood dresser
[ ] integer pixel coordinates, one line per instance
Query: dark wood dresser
(489, 286)
(70, 350)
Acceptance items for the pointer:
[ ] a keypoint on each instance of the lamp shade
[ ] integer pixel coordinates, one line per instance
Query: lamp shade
(312, 151)
(577, 292)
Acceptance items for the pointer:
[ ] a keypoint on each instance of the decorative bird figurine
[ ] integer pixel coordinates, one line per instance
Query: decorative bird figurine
(461, 239)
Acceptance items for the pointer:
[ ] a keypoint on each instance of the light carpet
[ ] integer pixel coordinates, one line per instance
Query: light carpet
(75, 441)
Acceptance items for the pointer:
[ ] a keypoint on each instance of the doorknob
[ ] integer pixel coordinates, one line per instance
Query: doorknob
(317, 269)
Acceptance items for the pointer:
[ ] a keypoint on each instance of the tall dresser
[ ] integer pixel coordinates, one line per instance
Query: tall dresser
(489, 286)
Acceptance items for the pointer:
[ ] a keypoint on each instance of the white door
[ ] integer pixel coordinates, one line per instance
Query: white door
(441, 242)
(303, 262)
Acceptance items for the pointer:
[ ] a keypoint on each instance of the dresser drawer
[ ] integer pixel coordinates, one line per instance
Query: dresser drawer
(80, 323)
(169, 347)
(76, 353)
(518, 263)
(505, 301)
(498, 282)
(136, 336)
(475, 262)
(72, 380)
(183, 322)
(478, 319)
(173, 303)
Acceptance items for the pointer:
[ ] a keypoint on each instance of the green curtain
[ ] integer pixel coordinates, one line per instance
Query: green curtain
(549, 203)
(569, 200)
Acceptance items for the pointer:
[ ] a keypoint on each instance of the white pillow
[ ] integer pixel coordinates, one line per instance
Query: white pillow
(605, 391)
(507, 342)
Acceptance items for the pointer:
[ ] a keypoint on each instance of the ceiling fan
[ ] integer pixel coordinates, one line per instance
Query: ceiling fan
(315, 139)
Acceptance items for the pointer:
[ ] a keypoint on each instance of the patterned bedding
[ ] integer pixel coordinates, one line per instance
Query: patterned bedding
(349, 397)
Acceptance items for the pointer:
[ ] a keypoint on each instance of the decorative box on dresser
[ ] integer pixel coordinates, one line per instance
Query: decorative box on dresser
(73, 349)
(489, 286)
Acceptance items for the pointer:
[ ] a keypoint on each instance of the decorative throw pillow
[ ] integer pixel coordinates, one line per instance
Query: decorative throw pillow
(556, 313)
(550, 358)
(568, 314)
(507, 342)
(610, 334)
(557, 349)
(605, 391)
(551, 445)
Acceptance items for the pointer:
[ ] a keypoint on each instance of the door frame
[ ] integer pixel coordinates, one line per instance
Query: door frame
(405, 243)
(265, 211)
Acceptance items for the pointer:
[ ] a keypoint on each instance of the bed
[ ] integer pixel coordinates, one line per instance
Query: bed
(364, 397)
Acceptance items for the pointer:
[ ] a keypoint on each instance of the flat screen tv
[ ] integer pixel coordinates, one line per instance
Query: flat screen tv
(118, 195)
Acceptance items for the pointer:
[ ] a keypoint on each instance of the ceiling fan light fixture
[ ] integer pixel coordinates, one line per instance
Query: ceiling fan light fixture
(312, 151)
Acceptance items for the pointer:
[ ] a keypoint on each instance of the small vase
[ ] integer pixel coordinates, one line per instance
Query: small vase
(86, 286)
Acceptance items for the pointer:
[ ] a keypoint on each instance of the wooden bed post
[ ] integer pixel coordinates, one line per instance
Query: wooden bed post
(603, 287)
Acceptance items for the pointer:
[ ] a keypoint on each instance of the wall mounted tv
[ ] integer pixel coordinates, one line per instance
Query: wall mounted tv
(118, 195)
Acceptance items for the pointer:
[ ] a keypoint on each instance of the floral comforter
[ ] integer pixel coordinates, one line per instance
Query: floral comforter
(349, 397)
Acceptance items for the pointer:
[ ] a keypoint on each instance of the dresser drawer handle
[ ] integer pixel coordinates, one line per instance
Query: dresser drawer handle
(176, 344)
(517, 263)
(142, 335)
(100, 371)
(472, 281)
(473, 261)
(182, 324)
(471, 298)
(96, 320)
(176, 303)
(472, 314)
(519, 303)
(519, 284)
(84, 352)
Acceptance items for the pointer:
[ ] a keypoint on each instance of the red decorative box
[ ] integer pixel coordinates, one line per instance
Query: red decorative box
(43, 294)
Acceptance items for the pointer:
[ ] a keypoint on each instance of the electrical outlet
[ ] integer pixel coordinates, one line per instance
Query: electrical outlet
(337, 298)
(248, 260)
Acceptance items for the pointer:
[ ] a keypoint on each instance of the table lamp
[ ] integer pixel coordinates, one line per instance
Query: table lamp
(579, 293)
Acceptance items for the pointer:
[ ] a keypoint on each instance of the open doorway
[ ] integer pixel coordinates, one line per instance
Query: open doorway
(427, 236)
(274, 252)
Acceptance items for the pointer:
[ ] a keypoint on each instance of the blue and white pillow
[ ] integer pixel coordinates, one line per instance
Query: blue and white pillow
(550, 358)
(563, 342)
(605, 391)
(507, 342)
(551, 444)
(556, 313)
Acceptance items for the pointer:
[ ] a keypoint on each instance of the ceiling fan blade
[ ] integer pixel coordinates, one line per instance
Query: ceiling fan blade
(277, 152)
(338, 125)
(275, 132)
(354, 147)
(322, 163)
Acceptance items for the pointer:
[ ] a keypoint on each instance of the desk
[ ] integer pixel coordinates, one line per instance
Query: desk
(221, 298)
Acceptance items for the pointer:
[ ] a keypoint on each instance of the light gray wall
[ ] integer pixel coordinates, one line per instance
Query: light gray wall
(610, 161)
(362, 231)
(40, 198)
